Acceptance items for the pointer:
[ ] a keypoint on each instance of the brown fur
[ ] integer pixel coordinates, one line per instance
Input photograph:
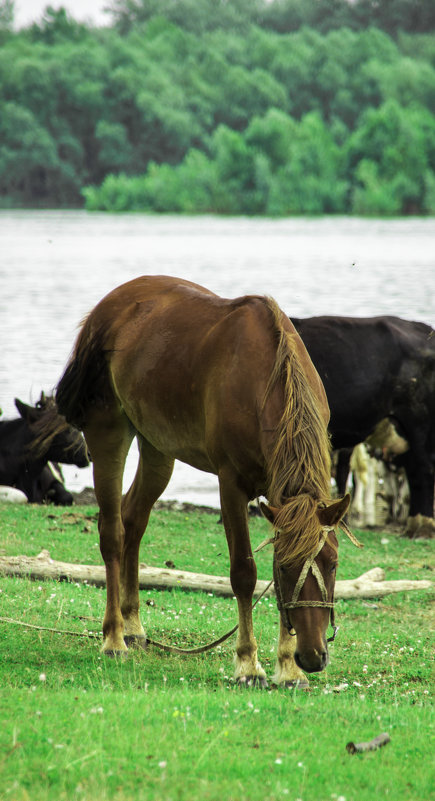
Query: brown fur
(226, 386)
(298, 472)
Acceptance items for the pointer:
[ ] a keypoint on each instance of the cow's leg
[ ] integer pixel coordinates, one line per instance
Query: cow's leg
(342, 470)
(358, 502)
(421, 477)
(371, 493)
(243, 575)
(287, 673)
(108, 435)
(152, 476)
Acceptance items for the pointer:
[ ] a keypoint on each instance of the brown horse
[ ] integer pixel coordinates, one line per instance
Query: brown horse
(227, 387)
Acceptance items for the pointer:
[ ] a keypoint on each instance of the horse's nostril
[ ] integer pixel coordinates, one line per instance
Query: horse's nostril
(325, 658)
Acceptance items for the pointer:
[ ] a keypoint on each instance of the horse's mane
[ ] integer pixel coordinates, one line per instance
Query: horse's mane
(46, 427)
(299, 467)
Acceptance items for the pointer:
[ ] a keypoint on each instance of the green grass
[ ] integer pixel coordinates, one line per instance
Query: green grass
(77, 725)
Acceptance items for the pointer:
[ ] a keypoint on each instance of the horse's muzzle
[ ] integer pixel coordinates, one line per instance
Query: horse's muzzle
(312, 661)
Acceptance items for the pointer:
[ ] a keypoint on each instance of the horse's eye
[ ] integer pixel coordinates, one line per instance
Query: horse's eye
(333, 568)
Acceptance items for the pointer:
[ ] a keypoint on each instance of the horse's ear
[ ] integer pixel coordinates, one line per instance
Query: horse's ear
(332, 514)
(270, 512)
(42, 401)
(28, 413)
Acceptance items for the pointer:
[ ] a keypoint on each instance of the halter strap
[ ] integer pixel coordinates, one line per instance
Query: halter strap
(295, 602)
(311, 563)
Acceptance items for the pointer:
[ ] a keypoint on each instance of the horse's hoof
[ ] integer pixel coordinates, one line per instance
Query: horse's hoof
(253, 681)
(112, 654)
(136, 641)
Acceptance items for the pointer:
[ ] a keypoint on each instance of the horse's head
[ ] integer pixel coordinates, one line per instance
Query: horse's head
(305, 582)
(51, 436)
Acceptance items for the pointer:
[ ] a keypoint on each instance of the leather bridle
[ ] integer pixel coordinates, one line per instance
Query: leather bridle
(295, 602)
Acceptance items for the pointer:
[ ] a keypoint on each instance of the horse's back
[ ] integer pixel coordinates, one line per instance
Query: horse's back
(162, 329)
(189, 368)
(175, 336)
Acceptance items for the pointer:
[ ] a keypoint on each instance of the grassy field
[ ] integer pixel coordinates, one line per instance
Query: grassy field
(77, 725)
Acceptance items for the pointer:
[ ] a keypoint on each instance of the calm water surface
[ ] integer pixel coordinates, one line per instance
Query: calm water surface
(55, 265)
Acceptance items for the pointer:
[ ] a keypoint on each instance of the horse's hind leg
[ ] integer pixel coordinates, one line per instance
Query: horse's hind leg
(152, 476)
(109, 435)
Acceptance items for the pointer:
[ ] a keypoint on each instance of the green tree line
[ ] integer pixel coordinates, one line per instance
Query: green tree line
(283, 16)
(230, 107)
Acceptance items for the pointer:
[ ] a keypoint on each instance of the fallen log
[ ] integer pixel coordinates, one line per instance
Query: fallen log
(370, 585)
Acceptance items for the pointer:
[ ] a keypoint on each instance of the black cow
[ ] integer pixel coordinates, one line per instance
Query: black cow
(50, 486)
(375, 368)
(27, 446)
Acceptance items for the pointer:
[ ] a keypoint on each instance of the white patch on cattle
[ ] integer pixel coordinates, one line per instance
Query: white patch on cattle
(386, 437)
(364, 470)
(381, 493)
(55, 472)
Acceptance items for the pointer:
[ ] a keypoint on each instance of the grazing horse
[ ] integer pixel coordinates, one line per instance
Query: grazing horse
(226, 386)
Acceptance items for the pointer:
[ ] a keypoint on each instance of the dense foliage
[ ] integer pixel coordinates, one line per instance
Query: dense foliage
(231, 107)
(283, 16)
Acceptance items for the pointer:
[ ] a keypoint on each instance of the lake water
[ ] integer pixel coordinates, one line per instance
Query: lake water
(56, 265)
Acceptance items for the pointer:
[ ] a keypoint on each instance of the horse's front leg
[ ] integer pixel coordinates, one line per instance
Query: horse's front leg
(243, 576)
(248, 670)
(287, 673)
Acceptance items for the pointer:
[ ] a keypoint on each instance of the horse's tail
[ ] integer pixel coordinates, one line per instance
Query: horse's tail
(85, 382)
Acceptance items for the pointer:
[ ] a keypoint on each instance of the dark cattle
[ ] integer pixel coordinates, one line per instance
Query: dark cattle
(51, 486)
(32, 441)
(374, 368)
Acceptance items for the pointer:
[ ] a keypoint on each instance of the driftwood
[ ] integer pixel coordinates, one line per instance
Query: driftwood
(372, 745)
(370, 585)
